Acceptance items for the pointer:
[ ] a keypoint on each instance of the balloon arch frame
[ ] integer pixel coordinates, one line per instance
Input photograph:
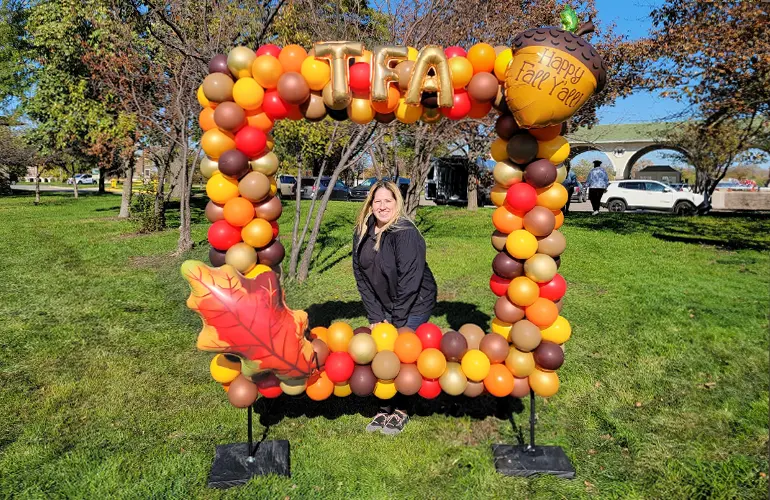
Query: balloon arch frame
(263, 346)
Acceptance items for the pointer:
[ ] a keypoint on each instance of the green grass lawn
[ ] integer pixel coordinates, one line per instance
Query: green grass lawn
(664, 391)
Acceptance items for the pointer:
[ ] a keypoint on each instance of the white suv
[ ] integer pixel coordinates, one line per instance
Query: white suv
(649, 195)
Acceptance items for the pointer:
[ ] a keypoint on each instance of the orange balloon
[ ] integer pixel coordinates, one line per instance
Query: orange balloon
(215, 142)
(408, 347)
(505, 221)
(479, 109)
(206, 119)
(559, 218)
(239, 211)
(257, 233)
(499, 382)
(319, 387)
(319, 332)
(553, 197)
(291, 58)
(339, 335)
(524, 292)
(431, 363)
(542, 312)
(391, 104)
(482, 56)
(266, 70)
(259, 119)
(546, 133)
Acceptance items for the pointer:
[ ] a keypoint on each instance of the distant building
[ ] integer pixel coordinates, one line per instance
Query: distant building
(661, 173)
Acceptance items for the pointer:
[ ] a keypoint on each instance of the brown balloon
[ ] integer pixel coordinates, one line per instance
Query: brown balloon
(506, 126)
(548, 356)
(229, 116)
(525, 335)
(338, 115)
(520, 387)
(559, 304)
(216, 257)
(362, 329)
(386, 365)
(404, 71)
(218, 64)
(474, 389)
(234, 164)
(539, 221)
(404, 329)
(508, 312)
(429, 100)
(313, 109)
(218, 87)
(293, 88)
(473, 335)
(362, 381)
(553, 244)
(498, 240)
(243, 392)
(483, 86)
(522, 148)
(540, 173)
(269, 209)
(214, 212)
(500, 103)
(321, 351)
(272, 254)
(254, 186)
(242, 257)
(506, 266)
(453, 345)
(385, 117)
(409, 380)
(495, 347)
(558, 262)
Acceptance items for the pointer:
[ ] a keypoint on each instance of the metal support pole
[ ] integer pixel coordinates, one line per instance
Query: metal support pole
(251, 438)
(531, 447)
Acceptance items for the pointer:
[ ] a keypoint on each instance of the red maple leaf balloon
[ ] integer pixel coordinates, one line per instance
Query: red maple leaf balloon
(249, 318)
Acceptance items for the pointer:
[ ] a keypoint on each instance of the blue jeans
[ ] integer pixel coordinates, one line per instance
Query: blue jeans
(413, 320)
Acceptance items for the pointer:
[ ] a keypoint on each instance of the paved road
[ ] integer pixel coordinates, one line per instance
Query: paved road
(54, 189)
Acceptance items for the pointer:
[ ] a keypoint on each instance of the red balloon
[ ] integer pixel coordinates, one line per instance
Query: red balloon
(521, 197)
(339, 366)
(222, 235)
(554, 289)
(430, 335)
(430, 388)
(275, 107)
(460, 108)
(251, 141)
(269, 49)
(275, 228)
(360, 78)
(498, 285)
(270, 386)
(455, 51)
(295, 113)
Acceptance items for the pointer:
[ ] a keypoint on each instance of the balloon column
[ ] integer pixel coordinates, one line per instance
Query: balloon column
(535, 87)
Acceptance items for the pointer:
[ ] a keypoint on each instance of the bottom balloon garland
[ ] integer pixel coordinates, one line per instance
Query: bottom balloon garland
(265, 349)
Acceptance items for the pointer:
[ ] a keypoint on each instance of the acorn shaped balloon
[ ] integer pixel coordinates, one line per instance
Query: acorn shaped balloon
(552, 74)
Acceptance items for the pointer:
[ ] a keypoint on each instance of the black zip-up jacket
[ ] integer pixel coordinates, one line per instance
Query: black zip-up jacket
(396, 279)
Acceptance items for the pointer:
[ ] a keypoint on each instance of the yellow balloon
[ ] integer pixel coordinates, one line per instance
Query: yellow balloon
(545, 384)
(521, 244)
(384, 335)
(316, 72)
(223, 370)
(497, 195)
(499, 149)
(461, 70)
(556, 150)
(412, 54)
(215, 142)
(385, 389)
(342, 390)
(221, 189)
(559, 332)
(273, 186)
(202, 100)
(502, 61)
(501, 328)
(257, 270)
(521, 364)
(406, 113)
(360, 111)
(475, 365)
(248, 94)
(553, 197)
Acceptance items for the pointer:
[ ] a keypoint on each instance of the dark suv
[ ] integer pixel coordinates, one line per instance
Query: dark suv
(359, 192)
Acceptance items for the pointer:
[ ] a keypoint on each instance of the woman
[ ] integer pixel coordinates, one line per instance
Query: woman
(392, 276)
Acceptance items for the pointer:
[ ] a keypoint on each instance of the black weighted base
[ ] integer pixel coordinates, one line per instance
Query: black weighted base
(522, 461)
(233, 465)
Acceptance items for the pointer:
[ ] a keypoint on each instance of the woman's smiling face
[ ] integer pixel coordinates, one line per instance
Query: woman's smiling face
(383, 206)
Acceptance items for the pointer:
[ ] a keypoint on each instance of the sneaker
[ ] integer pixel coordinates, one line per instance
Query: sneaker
(595, 212)
(378, 422)
(395, 423)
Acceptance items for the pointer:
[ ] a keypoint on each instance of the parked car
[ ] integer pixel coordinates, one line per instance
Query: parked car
(286, 185)
(680, 186)
(81, 179)
(649, 195)
(580, 194)
(359, 192)
(734, 185)
(339, 191)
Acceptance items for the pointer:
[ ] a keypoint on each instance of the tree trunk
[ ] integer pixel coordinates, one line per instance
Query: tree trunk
(75, 186)
(295, 230)
(473, 185)
(185, 242)
(128, 186)
(102, 175)
(37, 184)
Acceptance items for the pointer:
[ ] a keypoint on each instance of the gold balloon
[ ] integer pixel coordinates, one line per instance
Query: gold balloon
(540, 268)
(239, 61)
(453, 381)
(507, 173)
(545, 384)
(382, 74)
(338, 53)
(293, 387)
(431, 115)
(328, 98)
(267, 164)
(209, 167)
(218, 87)
(242, 257)
(521, 364)
(431, 57)
(360, 111)
(561, 174)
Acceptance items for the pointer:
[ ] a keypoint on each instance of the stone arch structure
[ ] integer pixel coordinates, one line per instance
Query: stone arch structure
(648, 149)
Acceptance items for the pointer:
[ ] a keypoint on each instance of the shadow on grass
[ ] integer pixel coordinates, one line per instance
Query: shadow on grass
(457, 313)
(734, 231)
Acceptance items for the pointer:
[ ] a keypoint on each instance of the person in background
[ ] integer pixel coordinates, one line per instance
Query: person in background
(570, 182)
(596, 183)
(392, 275)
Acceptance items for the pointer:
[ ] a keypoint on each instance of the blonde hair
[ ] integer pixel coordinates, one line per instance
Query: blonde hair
(366, 212)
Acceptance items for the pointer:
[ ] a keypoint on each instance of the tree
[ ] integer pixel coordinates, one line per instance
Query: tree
(15, 157)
